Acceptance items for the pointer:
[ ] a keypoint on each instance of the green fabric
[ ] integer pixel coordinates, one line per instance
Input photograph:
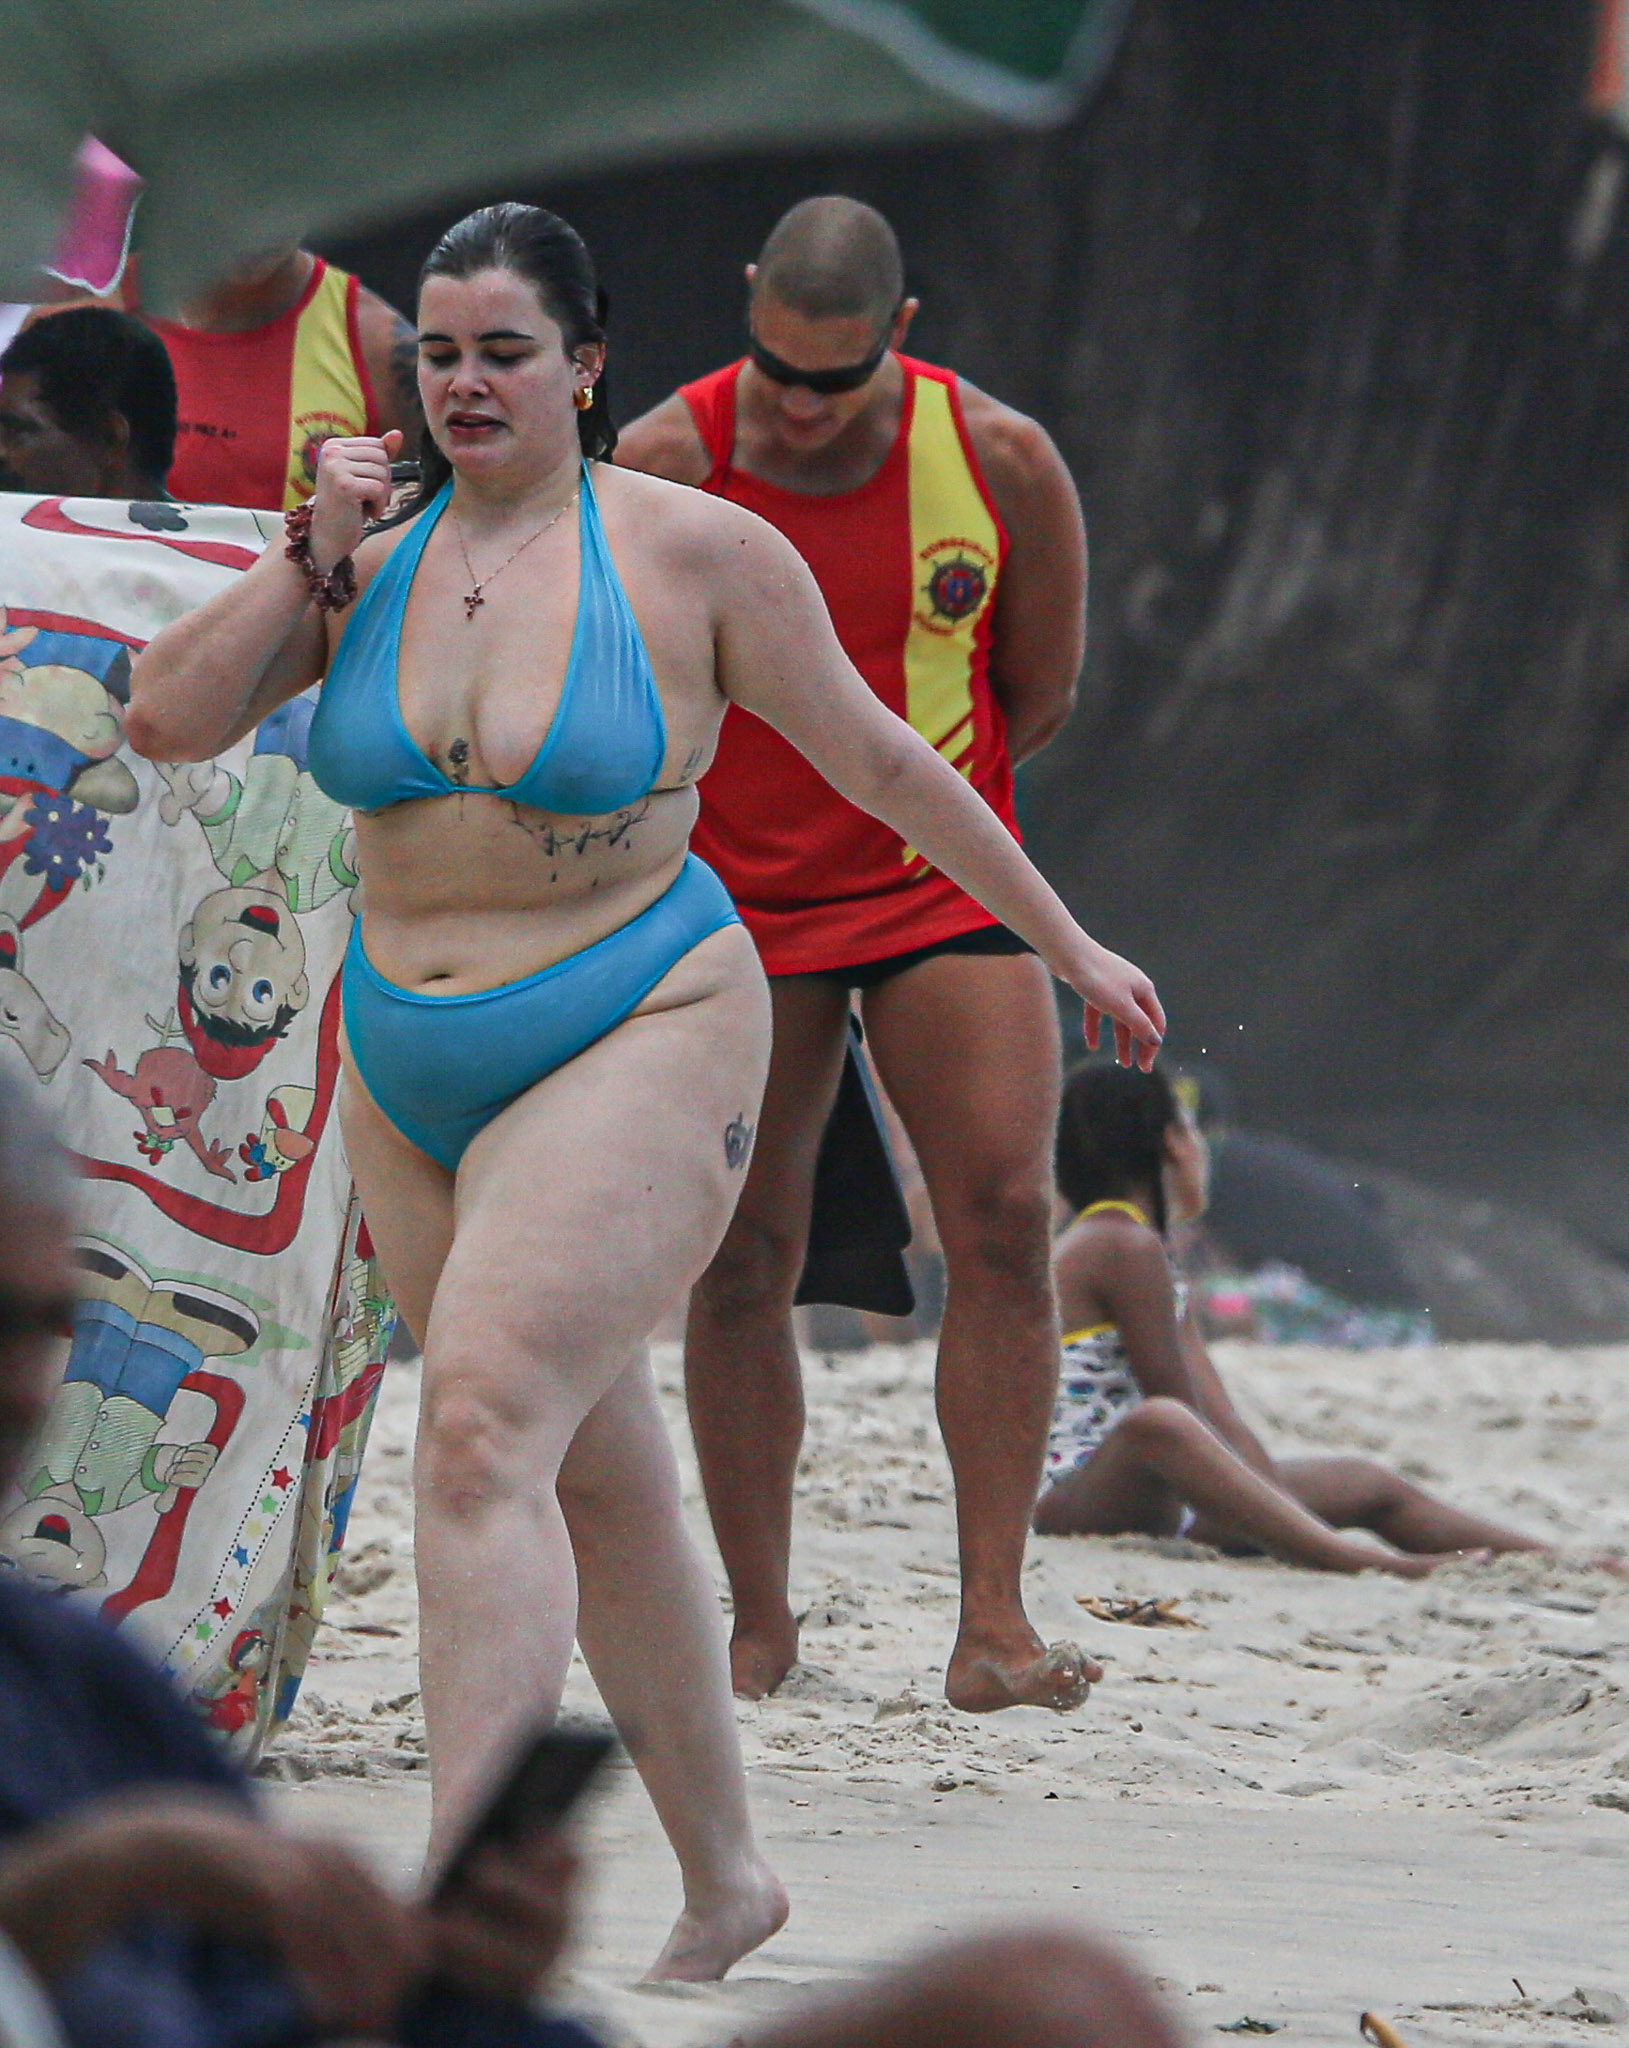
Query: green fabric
(1030, 63)
(255, 122)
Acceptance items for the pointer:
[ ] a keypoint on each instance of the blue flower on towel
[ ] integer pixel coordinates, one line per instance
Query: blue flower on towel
(66, 838)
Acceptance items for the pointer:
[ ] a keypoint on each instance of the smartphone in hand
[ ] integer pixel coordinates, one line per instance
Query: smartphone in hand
(550, 1773)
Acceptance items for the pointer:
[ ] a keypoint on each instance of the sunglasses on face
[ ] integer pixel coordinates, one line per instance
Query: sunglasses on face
(824, 383)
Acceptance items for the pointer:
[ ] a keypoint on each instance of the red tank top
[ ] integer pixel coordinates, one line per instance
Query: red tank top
(908, 565)
(255, 408)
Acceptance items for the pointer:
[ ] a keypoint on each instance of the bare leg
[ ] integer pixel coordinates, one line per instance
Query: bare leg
(1356, 1493)
(1162, 1456)
(967, 1046)
(742, 1379)
(412, 1226)
(1033, 1990)
(642, 1581)
(582, 1212)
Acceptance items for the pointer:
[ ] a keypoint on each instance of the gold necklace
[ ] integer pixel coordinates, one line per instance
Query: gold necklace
(473, 599)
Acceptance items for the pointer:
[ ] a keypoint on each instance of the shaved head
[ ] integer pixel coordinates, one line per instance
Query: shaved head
(833, 259)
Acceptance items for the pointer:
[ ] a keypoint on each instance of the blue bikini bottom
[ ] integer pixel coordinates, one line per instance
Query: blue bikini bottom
(442, 1067)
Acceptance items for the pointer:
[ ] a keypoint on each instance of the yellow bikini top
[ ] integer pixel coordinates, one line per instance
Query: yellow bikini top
(1126, 1208)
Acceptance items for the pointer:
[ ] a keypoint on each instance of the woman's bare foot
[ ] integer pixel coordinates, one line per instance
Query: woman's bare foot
(710, 1938)
(1421, 1564)
(984, 1677)
(761, 1657)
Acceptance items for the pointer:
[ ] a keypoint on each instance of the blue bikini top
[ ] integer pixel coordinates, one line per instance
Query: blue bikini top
(604, 747)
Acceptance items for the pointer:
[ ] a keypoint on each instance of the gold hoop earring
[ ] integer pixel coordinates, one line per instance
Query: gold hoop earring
(583, 397)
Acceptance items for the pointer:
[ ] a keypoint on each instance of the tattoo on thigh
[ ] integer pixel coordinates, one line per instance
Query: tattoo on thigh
(738, 1136)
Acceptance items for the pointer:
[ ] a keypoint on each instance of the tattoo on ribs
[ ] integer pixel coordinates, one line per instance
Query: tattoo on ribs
(552, 840)
(738, 1136)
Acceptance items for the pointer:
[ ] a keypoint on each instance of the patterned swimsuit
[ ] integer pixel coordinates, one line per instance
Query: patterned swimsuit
(1096, 1390)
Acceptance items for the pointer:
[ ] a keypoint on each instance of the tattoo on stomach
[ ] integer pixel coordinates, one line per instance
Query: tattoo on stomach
(738, 1136)
(552, 840)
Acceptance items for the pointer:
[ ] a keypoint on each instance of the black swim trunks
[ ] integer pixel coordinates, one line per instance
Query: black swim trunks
(987, 939)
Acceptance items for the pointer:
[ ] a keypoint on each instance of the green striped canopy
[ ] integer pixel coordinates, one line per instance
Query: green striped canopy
(257, 121)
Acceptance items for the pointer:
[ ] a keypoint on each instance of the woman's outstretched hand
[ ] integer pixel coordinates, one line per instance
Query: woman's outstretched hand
(1112, 987)
(353, 488)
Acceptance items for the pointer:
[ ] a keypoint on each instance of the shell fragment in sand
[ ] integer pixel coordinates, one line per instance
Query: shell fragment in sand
(1138, 1613)
(1381, 2032)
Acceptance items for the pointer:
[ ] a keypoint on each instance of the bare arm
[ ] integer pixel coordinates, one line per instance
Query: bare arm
(1039, 638)
(779, 656)
(215, 673)
(664, 442)
(390, 348)
(1133, 1282)
(1216, 1404)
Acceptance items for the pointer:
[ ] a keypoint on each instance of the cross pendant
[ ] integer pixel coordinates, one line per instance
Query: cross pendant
(472, 600)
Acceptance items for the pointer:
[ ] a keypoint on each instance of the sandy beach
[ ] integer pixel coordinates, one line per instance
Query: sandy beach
(1327, 1795)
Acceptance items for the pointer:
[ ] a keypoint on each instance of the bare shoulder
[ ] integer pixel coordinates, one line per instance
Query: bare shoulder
(383, 332)
(665, 442)
(694, 531)
(1020, 459)
(390, 348)
(377, 320)
(1109, 1260)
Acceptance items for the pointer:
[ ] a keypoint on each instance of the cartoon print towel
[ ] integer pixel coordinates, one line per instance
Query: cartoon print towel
(170, 944)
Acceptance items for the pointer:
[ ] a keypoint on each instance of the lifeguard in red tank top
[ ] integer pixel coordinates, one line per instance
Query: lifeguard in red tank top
(908, 564)
(255, 405)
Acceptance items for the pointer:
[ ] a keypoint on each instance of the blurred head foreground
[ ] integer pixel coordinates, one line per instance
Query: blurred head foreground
(87, 407)
(36, 1276)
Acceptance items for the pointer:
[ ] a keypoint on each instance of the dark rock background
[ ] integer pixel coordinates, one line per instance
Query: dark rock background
(1326, 308)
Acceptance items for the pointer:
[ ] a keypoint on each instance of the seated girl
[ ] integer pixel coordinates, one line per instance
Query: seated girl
(1144, 1437)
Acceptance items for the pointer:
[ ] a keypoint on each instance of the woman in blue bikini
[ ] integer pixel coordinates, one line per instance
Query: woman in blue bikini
(557, 1029)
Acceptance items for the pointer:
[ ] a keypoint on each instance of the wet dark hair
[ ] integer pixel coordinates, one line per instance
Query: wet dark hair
(554, 260)
(1111, 1134)
(93, 361)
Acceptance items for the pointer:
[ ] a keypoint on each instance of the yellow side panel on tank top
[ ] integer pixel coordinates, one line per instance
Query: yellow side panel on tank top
(955, 553)
(325, 392)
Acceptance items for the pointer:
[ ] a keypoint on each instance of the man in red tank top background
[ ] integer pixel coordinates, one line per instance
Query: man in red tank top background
(235, 369)
(879, 469)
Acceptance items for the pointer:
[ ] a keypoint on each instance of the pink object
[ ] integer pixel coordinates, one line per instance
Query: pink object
(95, 243)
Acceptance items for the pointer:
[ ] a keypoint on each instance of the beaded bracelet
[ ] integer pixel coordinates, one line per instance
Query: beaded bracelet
(330, 593)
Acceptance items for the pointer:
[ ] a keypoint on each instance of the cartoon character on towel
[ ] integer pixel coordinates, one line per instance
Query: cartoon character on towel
(25, 1016)
(241, 982)
(229, 1685)
(62, 700)
(135, 1341)
(275, 820)
(282, 850)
